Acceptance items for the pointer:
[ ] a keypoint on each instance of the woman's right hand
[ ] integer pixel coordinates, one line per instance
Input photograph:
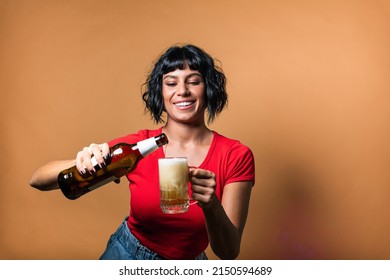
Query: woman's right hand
(84, 162)
(45, 177)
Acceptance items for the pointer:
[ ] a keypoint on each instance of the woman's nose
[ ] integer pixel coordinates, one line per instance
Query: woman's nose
(183, 89)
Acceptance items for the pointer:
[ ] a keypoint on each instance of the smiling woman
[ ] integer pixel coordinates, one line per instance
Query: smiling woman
(183, 94)
(198, 64)
(185, 85)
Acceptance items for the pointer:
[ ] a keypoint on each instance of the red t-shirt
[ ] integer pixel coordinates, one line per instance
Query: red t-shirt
(180, 236)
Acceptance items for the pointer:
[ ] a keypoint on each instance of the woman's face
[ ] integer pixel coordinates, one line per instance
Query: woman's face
(183, 94)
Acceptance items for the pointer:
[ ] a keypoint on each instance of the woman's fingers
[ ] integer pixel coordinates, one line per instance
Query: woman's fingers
(202, 185)
(90, 157)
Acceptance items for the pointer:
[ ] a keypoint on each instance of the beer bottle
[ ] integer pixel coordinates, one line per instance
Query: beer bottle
(121, 160)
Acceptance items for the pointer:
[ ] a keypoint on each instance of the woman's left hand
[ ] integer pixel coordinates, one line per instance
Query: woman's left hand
(203, 186)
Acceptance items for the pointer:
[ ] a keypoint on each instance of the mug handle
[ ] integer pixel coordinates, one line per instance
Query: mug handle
(192, 201)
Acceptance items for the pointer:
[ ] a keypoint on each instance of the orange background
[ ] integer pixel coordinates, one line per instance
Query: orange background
(309, 93)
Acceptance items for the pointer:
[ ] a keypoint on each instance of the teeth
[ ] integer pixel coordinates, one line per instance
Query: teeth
(183, 104)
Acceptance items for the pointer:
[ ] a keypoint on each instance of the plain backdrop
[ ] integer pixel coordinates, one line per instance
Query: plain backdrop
(308, 83)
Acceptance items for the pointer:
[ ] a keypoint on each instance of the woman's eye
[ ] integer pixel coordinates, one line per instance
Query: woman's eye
(194, 83)
(170, 84)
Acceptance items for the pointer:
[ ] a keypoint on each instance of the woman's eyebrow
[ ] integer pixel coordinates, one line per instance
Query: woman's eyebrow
(169, 76)
(187, 77)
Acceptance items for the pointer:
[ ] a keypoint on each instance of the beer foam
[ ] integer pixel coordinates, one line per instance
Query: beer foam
(173, 173)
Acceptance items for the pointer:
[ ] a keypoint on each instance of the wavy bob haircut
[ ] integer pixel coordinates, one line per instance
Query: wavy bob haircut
(177, 57)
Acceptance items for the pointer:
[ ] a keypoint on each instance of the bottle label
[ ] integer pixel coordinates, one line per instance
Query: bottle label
(147, 146)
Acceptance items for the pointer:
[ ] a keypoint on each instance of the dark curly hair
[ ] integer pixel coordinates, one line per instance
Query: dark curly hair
(177, 57)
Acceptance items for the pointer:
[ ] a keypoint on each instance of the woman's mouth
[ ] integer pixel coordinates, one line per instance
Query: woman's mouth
(184, 104)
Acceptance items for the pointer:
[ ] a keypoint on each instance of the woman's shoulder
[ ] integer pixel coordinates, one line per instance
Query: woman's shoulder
(235, 159)
(227, 145)
(134, 137)
(147, 133)
(223, 140)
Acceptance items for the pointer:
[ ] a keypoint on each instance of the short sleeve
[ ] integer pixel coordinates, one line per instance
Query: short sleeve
(241, 164)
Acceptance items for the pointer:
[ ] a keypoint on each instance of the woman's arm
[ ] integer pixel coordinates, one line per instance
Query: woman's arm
(225, 220)
(45, 177)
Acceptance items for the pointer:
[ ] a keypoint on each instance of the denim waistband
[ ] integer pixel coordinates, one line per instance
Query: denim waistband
(123, 245)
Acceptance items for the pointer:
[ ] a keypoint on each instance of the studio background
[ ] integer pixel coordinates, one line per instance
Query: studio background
(308, 83)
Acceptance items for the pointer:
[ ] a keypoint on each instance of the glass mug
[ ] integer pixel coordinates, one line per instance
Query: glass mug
(173, 180)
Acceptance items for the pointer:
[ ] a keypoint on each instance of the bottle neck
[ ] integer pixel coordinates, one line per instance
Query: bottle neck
(149, 145)
(161, 139)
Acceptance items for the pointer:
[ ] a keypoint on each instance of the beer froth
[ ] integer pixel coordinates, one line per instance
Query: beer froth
(173, 177)
(173, 173)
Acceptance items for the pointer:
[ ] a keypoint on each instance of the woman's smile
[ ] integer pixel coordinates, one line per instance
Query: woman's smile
(184, 105)
(183, 92)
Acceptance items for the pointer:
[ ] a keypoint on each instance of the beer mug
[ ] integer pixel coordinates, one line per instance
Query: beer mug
(173, 180)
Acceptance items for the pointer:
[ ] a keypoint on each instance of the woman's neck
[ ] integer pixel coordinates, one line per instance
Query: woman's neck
(188, 141)
(184, 133)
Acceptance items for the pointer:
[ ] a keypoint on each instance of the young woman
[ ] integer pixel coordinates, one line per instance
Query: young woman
(184, 91)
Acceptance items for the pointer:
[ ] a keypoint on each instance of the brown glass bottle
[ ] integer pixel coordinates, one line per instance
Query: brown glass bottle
(122, 159)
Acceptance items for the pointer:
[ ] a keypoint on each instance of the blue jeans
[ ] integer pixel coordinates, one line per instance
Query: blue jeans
(123, 245)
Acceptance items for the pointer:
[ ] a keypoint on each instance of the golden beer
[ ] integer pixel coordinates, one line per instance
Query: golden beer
(173, 179)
